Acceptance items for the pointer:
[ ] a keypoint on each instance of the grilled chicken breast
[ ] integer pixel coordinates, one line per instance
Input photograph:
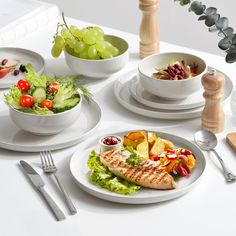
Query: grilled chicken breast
(149, 174)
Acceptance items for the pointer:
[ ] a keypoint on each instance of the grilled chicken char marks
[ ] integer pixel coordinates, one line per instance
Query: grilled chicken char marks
(149, 174)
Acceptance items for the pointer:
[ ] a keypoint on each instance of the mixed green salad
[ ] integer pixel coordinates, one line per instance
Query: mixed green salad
(101, 176)
(42, 95)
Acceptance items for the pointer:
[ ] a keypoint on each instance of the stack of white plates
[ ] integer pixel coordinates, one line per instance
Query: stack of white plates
(130, 94)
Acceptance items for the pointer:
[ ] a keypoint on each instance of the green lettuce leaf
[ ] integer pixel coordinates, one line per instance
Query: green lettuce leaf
(34, 78)
(12, 98)
(102, 177)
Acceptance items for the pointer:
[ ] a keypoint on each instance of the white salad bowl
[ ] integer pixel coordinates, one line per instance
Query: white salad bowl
(170, 89)
(45, 124)
(101, 68)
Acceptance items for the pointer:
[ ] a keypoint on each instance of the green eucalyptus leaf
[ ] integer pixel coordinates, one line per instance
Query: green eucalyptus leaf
(211, 10)
(222, 23)
(234, 39)
(232, 47)
(200, 10)
(195, 5)
(228, 31)
(225, 43)
(215, 23)
(231, 56)
(202, 17)
(211, 19)
(184, 2)
(213, 28)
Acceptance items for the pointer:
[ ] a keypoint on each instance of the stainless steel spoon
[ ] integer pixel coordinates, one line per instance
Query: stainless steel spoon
(207, 141)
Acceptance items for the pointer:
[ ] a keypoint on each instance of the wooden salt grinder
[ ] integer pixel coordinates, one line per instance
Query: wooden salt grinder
(213, 114)
(149, 29)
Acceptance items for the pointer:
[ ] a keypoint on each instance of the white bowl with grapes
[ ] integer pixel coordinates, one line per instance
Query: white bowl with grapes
(89, 52)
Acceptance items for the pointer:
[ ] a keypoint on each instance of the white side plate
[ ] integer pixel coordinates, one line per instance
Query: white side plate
(25, 57)
(144, 97)
(194, 100)
(80, 173)
(12, 138)
(123, 94)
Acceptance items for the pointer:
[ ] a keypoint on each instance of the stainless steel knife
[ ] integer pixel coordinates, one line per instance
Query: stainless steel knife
(39, 184)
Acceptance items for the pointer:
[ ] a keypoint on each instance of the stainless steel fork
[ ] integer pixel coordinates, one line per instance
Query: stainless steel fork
(50, 168)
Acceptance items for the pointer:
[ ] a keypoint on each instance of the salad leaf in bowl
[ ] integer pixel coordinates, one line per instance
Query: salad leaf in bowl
(45, 105)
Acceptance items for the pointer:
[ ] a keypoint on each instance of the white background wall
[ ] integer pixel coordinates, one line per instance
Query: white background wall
(177, 25)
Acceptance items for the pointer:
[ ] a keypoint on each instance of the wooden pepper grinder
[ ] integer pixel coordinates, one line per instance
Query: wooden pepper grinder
(149, 29)
(213, 114)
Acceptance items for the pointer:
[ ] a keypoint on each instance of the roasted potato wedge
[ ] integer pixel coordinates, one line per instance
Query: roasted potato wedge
(132, 143)
(137, 135)
(134, 138)
(143, 149)
(168, 144)
(157, 148)
(151, 139)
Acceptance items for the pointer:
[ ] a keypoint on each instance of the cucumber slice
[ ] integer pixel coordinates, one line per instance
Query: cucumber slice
(39, 95)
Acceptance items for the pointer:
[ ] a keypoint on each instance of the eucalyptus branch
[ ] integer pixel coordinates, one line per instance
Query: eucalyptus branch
(215, 22)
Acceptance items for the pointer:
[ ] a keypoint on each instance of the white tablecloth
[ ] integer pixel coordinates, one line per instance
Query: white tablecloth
(209, 209)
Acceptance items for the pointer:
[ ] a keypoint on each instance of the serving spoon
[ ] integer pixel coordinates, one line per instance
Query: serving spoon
(207, 141)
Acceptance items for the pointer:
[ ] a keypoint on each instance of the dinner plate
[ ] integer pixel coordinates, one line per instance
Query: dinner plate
(123, 94)
(12, 138)
(80, 173)
(25, 57)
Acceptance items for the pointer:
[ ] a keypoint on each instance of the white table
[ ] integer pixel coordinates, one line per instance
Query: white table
(209, 209)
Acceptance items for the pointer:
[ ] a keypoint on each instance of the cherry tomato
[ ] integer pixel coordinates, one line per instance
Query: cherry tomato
(3, 72)
(54, 87)
(23, 85)
(54, 90)
(55, 83)
(26, 100)
(46, 103)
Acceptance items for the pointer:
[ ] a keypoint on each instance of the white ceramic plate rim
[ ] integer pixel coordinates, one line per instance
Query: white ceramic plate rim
(168, 106)
(146, 111)
(138, 198)
(55, 146)
(158, 105)
(23, 50)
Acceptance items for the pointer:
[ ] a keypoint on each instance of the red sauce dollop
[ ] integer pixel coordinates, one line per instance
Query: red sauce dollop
(111, 140)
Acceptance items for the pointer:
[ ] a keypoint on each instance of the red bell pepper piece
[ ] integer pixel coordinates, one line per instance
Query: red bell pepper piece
(154, 158)
(170, 150)
(3, 72)
(186, 152)
(182, 171)
(171, 156)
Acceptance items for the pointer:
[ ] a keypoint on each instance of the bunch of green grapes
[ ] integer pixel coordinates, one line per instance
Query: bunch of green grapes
(86, 43)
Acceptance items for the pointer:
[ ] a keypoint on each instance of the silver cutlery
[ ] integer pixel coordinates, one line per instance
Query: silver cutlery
(50, 168)
(39, 184)
(207, 141)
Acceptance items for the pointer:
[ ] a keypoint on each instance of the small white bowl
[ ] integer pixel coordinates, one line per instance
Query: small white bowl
(45, 124)
(170, 89)
(104, 67)
(105, 147)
